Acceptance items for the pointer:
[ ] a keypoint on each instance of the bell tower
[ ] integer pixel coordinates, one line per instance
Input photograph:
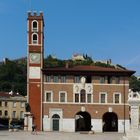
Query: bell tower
(35, 41)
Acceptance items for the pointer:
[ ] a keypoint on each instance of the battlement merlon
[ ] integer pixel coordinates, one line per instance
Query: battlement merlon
(35, 15)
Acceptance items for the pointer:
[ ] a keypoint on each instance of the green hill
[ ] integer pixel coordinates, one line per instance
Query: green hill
(13, 76)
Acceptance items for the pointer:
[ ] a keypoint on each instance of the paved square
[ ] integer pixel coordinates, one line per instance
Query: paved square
(5, 135)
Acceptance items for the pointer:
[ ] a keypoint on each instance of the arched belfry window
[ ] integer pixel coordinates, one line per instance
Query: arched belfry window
(34, 38)
(34, 26)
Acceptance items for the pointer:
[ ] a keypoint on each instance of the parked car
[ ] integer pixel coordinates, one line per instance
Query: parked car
(16, 126)
(3, 127)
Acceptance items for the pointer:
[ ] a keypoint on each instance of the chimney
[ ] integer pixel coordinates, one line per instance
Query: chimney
(109, 61)
(67, 65)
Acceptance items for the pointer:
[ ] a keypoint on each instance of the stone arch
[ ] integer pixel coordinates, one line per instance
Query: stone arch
(82, 121)
(110, 122)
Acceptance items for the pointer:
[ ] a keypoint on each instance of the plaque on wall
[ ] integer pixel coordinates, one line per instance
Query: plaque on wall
(34, 73)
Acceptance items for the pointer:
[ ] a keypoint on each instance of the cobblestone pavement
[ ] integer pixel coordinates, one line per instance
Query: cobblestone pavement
(5, 135)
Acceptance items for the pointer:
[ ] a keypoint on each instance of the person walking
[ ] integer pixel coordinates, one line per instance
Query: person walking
(34, 129)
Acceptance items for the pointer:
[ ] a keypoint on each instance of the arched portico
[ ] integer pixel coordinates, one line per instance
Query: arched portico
(82, 121)
(110, 122)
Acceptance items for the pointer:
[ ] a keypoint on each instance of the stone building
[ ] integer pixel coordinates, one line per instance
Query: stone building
(78, 98)
(12, 107)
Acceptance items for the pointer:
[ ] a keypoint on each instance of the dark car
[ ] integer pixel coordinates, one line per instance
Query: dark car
(16, 126)
(3, 127)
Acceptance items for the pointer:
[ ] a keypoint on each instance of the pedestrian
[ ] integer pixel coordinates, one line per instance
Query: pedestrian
(33, 129)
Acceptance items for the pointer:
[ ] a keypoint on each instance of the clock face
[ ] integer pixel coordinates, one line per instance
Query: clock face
(34, 58)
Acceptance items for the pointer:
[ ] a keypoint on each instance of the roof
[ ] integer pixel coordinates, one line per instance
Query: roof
(88, 70)
(4, 94)
(10, 95)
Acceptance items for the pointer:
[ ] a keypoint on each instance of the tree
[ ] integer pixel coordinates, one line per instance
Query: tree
(134, 83)
(13, 77)
(50, 61)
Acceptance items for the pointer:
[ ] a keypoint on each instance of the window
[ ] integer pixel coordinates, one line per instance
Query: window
(0, 113)
(117, 80)
(6, 113)
(103, 97)
(0, 103)
(117, 98)
(76, 97)
(22, 115)
(14, 104)
(63, 79)
(88, 79)
(55, 79)
(89, 98)
(77, 79)
(22, 104)
(82, 96)
(48, 79)
(6, 104)
(34, 38)
(62, 97)
(102, 80)
(109, 80)
(34, 26)
(48, 97)
(14, 114)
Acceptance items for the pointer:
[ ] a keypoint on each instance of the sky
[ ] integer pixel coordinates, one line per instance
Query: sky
(103, 29)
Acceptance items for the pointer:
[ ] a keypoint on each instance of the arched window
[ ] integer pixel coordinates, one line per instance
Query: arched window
(56, 116)
(34, 26)
(83, 96)
(34, 38)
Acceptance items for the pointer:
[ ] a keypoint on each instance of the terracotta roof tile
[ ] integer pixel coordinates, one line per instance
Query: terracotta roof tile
(7, 95)
(83, 68)
(86, 68)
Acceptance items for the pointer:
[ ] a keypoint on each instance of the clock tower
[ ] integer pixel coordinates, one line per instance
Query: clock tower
(35, 31)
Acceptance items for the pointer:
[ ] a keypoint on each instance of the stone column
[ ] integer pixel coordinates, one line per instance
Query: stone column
(28, 120)
(134, 117)
(25, 122)
(134, 102)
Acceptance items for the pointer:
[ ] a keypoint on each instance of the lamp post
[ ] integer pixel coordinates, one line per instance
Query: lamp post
(124, 103)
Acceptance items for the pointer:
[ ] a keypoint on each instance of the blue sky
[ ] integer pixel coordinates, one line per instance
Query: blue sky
(104, 29)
